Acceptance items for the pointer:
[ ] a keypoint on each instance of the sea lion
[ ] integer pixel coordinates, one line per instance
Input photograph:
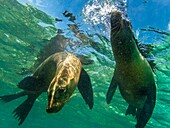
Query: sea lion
(58, 75)
(132, 73)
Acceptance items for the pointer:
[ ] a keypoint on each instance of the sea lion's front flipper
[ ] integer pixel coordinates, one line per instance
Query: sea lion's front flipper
(111, 90)
(85, 88)
(8, 98)
(23, 109)
(147, 110)
(28, 83)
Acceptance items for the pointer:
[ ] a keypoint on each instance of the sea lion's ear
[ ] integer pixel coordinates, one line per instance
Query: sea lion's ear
(85, 88)
(28, 83)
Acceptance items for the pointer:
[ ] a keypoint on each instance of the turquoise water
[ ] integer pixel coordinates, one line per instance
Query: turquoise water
(28, 34)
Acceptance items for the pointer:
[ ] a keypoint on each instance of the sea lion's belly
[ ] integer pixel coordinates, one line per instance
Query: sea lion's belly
(133, 95)
(133, 80)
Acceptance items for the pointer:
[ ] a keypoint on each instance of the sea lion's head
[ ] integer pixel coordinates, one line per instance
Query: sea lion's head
(120, 26)
(115, 20)
(61, 88)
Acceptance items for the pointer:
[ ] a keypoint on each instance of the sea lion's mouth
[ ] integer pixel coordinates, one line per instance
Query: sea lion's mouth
(118, 21)
(54, 108)
(120, 26)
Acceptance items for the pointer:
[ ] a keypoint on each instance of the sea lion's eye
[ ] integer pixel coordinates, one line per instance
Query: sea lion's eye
(60, 92)
(60, 82)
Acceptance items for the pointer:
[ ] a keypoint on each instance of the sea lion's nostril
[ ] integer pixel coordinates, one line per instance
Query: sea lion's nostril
(49, 110)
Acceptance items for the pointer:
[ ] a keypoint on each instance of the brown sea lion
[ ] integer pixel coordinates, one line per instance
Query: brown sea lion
(132, 73)
(58, 75)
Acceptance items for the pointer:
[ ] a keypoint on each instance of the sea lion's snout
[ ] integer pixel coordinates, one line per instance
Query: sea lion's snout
(57, 94)
(118, 20)
(115, 19)
(54, 108)
(56, 99)
(120, 25)
(116, 15)
(49, 110)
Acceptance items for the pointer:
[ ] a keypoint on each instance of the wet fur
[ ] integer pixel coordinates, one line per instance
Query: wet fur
(47, 74)
(132, 74)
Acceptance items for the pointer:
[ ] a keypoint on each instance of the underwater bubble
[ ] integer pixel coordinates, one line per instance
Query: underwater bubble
(97, 12)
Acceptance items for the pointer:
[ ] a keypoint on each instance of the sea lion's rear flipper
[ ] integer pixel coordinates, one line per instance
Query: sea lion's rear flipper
(8, 98)
(23, 109)
(131, 110)
(147, 110)
(111, 90)
(85, 88)
(29, 83)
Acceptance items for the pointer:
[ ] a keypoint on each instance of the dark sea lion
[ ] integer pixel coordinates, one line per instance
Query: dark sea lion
(132, 73)
(58, 75)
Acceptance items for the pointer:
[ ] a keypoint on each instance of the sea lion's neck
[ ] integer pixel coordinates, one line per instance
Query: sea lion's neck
(124, 49)
(122, 39)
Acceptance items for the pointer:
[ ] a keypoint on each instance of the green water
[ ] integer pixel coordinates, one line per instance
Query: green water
(25, 34)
